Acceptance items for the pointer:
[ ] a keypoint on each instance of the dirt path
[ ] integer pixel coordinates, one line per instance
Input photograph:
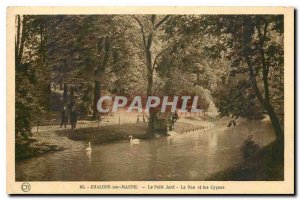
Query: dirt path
(54, 134)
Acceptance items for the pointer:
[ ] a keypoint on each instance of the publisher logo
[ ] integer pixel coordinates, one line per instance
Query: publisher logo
(25, 187)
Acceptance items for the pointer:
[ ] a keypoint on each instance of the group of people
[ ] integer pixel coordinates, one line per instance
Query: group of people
(66, 114)
(138, 118)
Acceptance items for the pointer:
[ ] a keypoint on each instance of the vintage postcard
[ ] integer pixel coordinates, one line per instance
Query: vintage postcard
(150, 100)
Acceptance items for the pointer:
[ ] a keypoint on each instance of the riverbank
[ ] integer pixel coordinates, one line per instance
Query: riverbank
(53, 139)
(266, 165)
(114, 133)
(31, 148)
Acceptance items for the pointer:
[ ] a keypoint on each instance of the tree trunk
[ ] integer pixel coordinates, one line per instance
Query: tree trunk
(150, 84)
(17, 41)
(103, 49)
(96, 98)
(48, 97)
(273, 117)
(65, 94)
(20, 40)
(275, 121)
(72, 100)
(151, 122)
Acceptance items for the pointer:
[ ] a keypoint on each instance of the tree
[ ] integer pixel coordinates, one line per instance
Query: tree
(22, 119)
(79, 53)
(261, 28)
(253, 46)
(32, 74)
(149, 30)
(61, 56)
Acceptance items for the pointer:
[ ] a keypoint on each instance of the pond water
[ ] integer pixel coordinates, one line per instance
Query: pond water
(187, 157)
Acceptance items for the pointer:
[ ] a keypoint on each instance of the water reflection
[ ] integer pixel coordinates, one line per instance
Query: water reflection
(189, 156)
(89, 156)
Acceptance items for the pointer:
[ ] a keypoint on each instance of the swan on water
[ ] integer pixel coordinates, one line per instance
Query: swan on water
(89, 148)
(134, 141)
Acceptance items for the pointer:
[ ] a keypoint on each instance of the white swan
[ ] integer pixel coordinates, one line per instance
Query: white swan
(89, 148)
(134, 141)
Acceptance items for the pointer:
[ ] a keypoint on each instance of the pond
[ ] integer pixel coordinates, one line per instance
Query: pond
(182, 157)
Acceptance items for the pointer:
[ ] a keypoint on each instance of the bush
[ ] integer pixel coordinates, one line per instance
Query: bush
(249, 147)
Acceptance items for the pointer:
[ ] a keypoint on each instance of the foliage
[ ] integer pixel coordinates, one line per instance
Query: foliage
(232, 61)
(32, 75)
(253, 46)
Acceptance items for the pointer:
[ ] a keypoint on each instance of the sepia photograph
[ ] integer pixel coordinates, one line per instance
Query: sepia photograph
(168, 97)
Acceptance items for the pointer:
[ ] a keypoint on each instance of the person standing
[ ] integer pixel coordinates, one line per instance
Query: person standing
(174, 118)
(73, 117)
(64, 118)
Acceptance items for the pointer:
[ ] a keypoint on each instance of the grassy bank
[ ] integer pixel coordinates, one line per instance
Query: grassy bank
(266, 165)
(113, 133)
(52, 140)
(30, 148)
